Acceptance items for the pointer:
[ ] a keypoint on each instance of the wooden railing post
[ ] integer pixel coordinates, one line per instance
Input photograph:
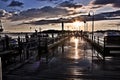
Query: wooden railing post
(94, 39)
(98, 40)
(7, 42)
(20, 47)
(0, 69)
(3, 43)
(46, 49)
(104, 49)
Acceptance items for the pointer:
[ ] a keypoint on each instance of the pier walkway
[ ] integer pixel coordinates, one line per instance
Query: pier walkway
(73, 59)
(17, 50)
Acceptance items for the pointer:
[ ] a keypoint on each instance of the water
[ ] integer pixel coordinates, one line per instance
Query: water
(15, 34)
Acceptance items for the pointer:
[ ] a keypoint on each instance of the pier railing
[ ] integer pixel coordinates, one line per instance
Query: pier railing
(20, 49)
(98, 40)
(106, 46)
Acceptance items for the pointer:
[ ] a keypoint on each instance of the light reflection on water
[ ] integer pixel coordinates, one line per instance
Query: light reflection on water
(14, 36)
(76, 52)
(76, 56)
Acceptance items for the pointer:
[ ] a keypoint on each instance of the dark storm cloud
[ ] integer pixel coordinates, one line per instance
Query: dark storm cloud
(46, 11)
(102, 2)
(2, 13)
(4, 0)
(101, 16)
(46, 0)
(15, 4)
(69, 4)
(115, 3)
(107, 15)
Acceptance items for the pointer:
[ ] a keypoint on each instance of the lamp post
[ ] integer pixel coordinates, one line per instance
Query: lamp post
(92, 22)
(62, 24)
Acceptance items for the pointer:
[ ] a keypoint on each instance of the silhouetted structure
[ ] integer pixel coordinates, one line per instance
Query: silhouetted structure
(1, 27)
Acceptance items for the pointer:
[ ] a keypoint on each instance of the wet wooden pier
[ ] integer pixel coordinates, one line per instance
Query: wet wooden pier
(108, 46)
(62, 57)
(18, 50)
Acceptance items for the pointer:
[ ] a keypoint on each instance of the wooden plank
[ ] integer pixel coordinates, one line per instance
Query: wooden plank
(6, 52)
(112, 46)
(115, 52)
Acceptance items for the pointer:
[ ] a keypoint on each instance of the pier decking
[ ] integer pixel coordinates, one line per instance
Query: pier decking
(20, 49)
(65, 57)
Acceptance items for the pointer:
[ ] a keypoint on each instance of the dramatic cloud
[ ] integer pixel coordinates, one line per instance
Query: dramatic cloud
(101, 16)
(102, 2)
(96, 7)
(115, 3)
(4, 0)
(3, 13)
(15, 4)
(107, 15)
(45, 12)
(70, 5)
(46, 0)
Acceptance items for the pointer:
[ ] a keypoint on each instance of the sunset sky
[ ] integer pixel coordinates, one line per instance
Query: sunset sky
(27, 10)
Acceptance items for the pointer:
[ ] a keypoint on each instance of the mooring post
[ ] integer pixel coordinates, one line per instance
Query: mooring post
(7, 42)
(20, 48)
(104, 49)
(3, 43)
(26, 37)
(94, 39)
(27, 46)
(46, 49)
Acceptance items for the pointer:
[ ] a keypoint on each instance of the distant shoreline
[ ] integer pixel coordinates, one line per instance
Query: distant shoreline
(16, 32)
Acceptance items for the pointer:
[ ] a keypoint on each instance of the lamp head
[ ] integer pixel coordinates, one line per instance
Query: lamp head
(84, 21)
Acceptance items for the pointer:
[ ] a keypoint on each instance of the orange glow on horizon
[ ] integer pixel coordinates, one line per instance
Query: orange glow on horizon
(78, 25)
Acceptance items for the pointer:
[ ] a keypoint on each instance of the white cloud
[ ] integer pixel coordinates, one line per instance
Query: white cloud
(5, 14)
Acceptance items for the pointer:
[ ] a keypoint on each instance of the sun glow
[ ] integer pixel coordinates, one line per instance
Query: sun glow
(78, 25)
